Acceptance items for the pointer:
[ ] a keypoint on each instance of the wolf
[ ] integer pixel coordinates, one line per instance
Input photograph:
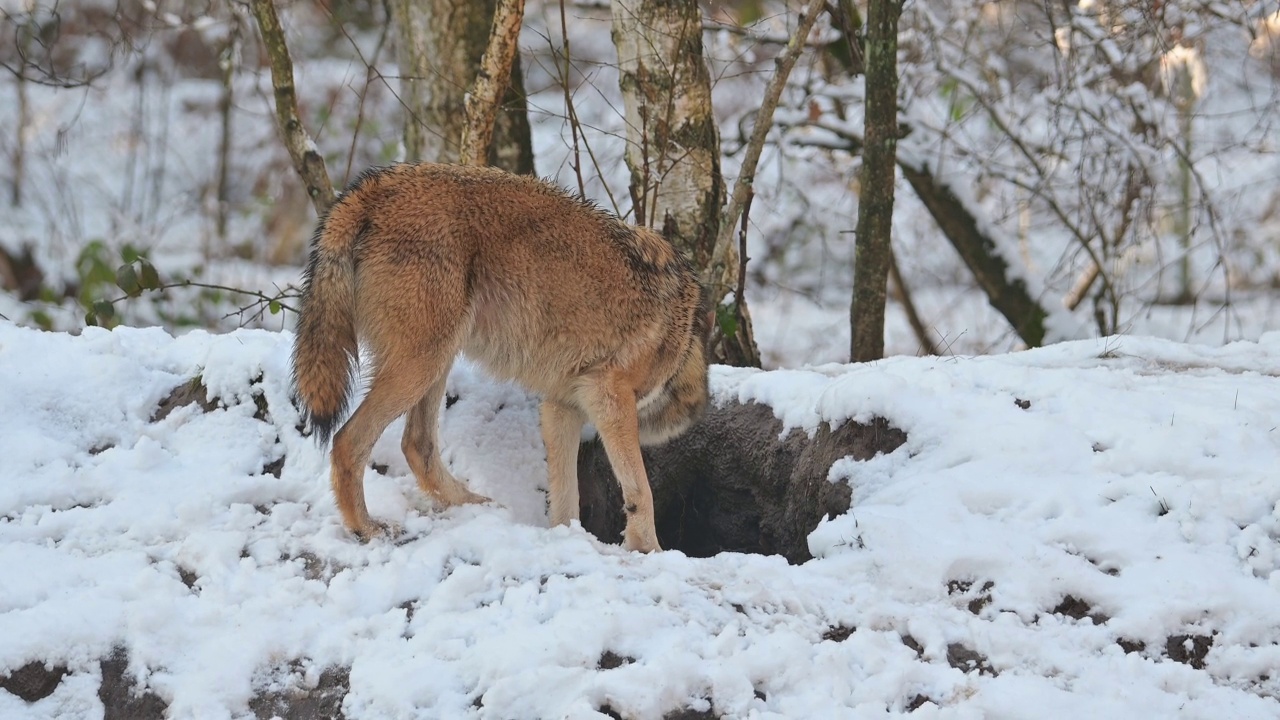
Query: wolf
(419, 262)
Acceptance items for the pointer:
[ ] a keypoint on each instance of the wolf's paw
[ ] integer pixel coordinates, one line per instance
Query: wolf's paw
(378, 530)
(641, 542)
(458, 494)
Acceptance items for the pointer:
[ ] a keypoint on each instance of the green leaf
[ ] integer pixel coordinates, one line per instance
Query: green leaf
(98, 272)
(90, 320)
(727, 320)
(129, 253)
(104, 310)
(127, 280)
(274, 307)
(42, 318)
(150, 279)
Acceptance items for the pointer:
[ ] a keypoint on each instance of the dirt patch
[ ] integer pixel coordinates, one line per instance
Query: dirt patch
(121, 697)
(968, 660)
(959, 656)
(838, 633)
(1131, 646)
(610, 660)
(918, 702)
(274, 468)
(681, 714)
(691, 714)
(315, 567)
(292, 701)
(1073, 607)
(914, 645)
(1189, 649)
(977, 599)
(192, 392)
(33, 681)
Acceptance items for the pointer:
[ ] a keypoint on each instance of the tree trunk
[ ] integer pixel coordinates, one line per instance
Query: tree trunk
(20, 147)
(875, 200)
(439, 44)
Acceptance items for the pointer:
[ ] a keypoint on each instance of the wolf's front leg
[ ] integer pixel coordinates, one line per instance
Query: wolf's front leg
(561, 431)
(611, 403)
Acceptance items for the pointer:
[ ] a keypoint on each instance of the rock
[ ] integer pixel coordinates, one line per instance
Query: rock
(731, 483)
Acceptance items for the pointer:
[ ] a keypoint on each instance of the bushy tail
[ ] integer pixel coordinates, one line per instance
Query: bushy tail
(325, 351)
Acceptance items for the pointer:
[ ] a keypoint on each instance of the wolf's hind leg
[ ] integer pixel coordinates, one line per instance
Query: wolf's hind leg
(396, 387)
(421, 446)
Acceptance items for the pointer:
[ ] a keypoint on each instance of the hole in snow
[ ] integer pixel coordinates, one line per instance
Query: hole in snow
(733, 482)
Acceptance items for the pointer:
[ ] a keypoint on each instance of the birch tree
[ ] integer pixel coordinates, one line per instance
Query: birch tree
(673, 146)
(673, 149)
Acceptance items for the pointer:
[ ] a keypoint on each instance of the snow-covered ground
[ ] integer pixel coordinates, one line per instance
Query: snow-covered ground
(1060, 525)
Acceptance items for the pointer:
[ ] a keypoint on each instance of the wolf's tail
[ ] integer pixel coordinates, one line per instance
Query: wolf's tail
(325, 350)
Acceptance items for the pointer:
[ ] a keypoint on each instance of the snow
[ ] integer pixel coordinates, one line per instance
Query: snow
(1134, 475)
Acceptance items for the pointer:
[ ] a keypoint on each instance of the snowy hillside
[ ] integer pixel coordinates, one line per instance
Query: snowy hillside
(1089, 530)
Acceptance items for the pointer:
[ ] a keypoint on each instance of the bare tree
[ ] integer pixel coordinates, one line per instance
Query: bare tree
(873, 255)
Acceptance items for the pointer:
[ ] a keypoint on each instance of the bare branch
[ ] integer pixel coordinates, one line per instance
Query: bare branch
(716, 270)
(909, 306)
(307, 160)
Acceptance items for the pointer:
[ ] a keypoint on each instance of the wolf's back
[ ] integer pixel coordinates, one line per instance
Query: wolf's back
(325, 350)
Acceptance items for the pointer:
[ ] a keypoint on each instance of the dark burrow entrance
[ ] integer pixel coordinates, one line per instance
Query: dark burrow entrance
(731, 483)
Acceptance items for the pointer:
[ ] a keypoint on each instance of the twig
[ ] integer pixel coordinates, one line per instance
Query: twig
(307, 160)
(909, 306)
(491, 82)
(574, 127)
(759, 130)
(239, 291)
(742, 255)
(370, 72)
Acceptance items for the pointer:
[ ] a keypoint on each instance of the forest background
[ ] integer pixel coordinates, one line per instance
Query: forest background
(1065, 170)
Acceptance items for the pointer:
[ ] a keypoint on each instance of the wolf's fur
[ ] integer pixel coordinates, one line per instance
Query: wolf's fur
(420, 261)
